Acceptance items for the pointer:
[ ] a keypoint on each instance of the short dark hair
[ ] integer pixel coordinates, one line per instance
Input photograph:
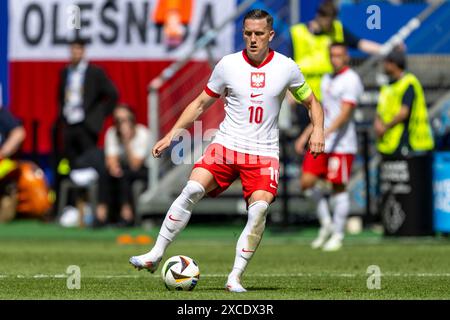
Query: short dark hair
(327, 9)
(78, 41)
(338, 44)
(131, 112)
(397, 57)
(257, 14)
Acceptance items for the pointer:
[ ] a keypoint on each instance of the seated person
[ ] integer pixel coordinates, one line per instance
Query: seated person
(127, 146)
(12, 134)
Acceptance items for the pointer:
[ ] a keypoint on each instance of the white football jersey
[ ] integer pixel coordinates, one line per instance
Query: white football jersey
(346, 86)
(253, 97)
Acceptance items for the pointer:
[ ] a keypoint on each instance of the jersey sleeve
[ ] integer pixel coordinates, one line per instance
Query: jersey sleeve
(296, 76)
(297, 84)
(353, 91)
(216, 83)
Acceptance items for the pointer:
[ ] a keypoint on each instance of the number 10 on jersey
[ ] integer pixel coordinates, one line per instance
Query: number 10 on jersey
(256, 114)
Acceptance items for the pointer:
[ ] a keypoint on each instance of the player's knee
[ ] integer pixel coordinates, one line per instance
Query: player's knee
(194, 191)
(307, 181)
(261, 195)
(257, 214)
(306, 184)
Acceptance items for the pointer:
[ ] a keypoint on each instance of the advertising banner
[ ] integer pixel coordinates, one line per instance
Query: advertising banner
(114, 30)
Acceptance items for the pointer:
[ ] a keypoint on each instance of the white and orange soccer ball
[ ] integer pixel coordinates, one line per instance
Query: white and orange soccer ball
(180, 273)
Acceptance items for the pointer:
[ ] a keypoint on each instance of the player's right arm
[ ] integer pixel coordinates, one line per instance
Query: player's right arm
(194, 110)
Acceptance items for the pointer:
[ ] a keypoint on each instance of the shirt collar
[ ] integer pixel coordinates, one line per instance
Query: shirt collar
(266, 60)
(341, 71)
(81, 66)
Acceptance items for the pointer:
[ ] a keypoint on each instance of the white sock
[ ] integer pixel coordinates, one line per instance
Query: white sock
(341, 204)
(160, 247)
(178, 216)
(250, 237)
(323, 210)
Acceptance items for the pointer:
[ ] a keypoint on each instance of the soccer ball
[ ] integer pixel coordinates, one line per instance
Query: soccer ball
(180, 273)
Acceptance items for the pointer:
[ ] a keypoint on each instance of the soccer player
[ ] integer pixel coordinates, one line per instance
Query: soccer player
(340, 92)
(254, 83)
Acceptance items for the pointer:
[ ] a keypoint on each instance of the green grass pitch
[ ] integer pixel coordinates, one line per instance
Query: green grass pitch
(34, 258)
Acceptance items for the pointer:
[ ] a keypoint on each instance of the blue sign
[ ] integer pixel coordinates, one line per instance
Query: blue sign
(431, 37)
(3, 52)
(441, 188)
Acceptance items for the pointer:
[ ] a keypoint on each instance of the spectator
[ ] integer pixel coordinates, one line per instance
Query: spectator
(401, 123)
(126, 149)
(12, 134)
(86, 96)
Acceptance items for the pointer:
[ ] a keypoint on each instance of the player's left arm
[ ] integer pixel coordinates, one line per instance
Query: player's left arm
(305, 95)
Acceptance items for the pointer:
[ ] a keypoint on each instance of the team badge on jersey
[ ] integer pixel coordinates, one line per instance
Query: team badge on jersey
(258, 79)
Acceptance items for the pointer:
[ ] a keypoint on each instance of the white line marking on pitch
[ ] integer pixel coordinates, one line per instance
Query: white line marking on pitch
(269, 275)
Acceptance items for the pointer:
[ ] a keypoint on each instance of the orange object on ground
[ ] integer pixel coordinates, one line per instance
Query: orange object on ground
(143, 239)
(125, 239)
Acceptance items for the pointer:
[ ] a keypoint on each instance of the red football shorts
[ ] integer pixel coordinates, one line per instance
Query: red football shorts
(256, 172)
(335, 167)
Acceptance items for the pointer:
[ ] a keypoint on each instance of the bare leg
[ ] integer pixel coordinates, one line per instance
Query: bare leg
(177, 217)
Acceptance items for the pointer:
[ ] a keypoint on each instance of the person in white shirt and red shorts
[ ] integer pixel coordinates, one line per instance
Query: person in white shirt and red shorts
(253, 84)
(340, 94)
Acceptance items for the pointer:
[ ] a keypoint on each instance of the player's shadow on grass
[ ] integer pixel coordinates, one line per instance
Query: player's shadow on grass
(262, 289)
(249, 289)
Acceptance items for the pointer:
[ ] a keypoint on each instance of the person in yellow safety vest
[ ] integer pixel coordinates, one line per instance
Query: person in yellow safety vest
(401, 122)
(311, 43)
